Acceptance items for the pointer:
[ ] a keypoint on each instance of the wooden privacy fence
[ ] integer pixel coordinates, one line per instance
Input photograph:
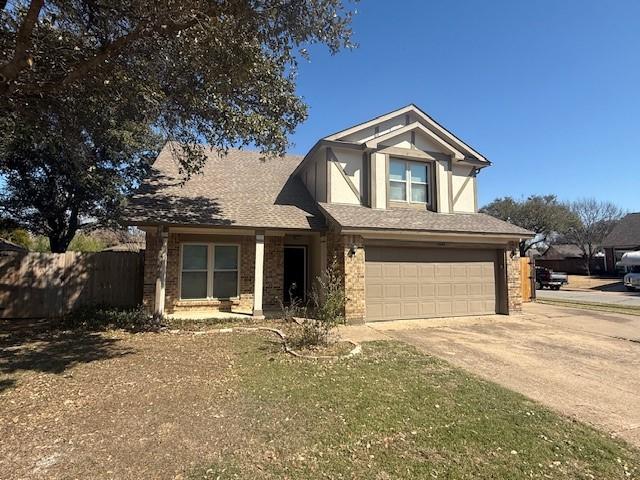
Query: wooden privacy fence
(36, 285)
(526, 278)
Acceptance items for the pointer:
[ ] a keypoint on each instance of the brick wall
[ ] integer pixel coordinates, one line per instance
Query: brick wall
(352, 270)
(173, 304)
(514, 290)
(273, 272)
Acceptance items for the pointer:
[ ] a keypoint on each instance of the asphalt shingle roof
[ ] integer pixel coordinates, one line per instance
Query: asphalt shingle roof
(240, 189)
(626, 233)
(562, 251)
(358, 217)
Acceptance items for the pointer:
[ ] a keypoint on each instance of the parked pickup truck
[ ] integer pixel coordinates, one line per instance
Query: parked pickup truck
(550, 279)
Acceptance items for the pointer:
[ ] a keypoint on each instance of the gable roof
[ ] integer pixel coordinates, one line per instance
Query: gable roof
(239, 189)
(425, 120)
(626, 234)
(363, 218)
(562, 251)
(9, 246)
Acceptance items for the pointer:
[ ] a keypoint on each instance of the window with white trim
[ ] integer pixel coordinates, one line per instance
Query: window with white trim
(409, 181)
(209, 271)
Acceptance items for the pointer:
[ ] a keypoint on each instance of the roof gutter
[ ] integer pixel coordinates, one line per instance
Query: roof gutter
(368, 232)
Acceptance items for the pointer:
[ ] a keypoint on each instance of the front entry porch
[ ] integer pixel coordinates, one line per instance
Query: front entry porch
(217, 273)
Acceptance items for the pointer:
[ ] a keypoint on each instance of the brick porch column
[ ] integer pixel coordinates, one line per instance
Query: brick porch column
(354, 270)
(258, 281)
(161, 273)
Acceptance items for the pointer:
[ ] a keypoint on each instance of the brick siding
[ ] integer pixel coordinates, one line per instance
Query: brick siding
(514, 291)
(273, 271)
(352, 269)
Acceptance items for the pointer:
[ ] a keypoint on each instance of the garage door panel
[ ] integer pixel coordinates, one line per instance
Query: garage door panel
(444, 290)
(427, 290)
(422, 283)
(488, 289)
(488, 271)
(375, 290)
(375, 310)
(460, 289)
(392, 309)
(391, 270)
(410, 309)
(460, 307)
(427, 271)
(444, 309)
(459, 271)
(409, 271)
(373, 270)
(410, 290)
(392, 292)
(443, 272)
(427, 309)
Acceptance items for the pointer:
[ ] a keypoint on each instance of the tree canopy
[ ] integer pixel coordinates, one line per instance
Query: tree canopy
(596, 219)
(542, 214)
(90, 88)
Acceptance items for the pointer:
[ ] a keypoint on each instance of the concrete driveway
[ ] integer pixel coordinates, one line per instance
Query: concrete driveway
(581, 363)
(628, 299)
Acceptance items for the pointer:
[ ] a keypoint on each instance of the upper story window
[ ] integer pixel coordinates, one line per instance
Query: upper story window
(409, 181)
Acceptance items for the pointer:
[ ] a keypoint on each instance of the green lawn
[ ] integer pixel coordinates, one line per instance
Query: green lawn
(395, 413)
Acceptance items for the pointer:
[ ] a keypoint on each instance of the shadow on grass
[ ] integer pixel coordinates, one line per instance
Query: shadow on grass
(40, 347)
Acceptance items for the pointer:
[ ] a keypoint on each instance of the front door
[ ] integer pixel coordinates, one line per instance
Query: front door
(295, 270)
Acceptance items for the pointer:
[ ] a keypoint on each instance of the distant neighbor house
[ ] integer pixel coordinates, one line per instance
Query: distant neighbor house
(569, 259)
(625, 237)
(393, 200)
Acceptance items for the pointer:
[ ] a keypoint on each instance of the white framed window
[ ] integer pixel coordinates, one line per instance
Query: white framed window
(225, 271)
(209, 270)
(409, 181)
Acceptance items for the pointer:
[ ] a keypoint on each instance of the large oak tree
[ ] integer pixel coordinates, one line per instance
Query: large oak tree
(542, 214)
(88, 87)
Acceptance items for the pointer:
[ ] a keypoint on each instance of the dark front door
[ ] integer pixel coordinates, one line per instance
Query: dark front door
(295, 259)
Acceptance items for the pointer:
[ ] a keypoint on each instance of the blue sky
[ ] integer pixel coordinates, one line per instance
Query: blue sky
(547, 90)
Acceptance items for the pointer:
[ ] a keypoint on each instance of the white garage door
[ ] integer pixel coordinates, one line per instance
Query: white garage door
(407, 283)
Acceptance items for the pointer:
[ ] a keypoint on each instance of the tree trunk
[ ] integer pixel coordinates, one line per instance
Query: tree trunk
(588, 265)
(523, 248)
(59, 241)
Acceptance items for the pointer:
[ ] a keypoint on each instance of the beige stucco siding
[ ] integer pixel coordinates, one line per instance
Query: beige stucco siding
(314, 177)
(422, 142)
(350, 161)
(401, 141)
(309, 176)
(378, 180)
(463, 183)
(442, 186)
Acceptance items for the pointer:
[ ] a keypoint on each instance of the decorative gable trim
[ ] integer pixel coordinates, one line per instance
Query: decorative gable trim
(331, 159)
(412, 127)
(435, 127)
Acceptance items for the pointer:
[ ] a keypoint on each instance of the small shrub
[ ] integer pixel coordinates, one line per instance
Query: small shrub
(295, 308)
(110, 318)
(327, 310)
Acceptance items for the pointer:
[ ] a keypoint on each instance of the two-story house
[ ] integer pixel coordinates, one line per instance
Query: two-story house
(392, 201)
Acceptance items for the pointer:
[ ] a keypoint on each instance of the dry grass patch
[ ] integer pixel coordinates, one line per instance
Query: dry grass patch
(156, 405)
